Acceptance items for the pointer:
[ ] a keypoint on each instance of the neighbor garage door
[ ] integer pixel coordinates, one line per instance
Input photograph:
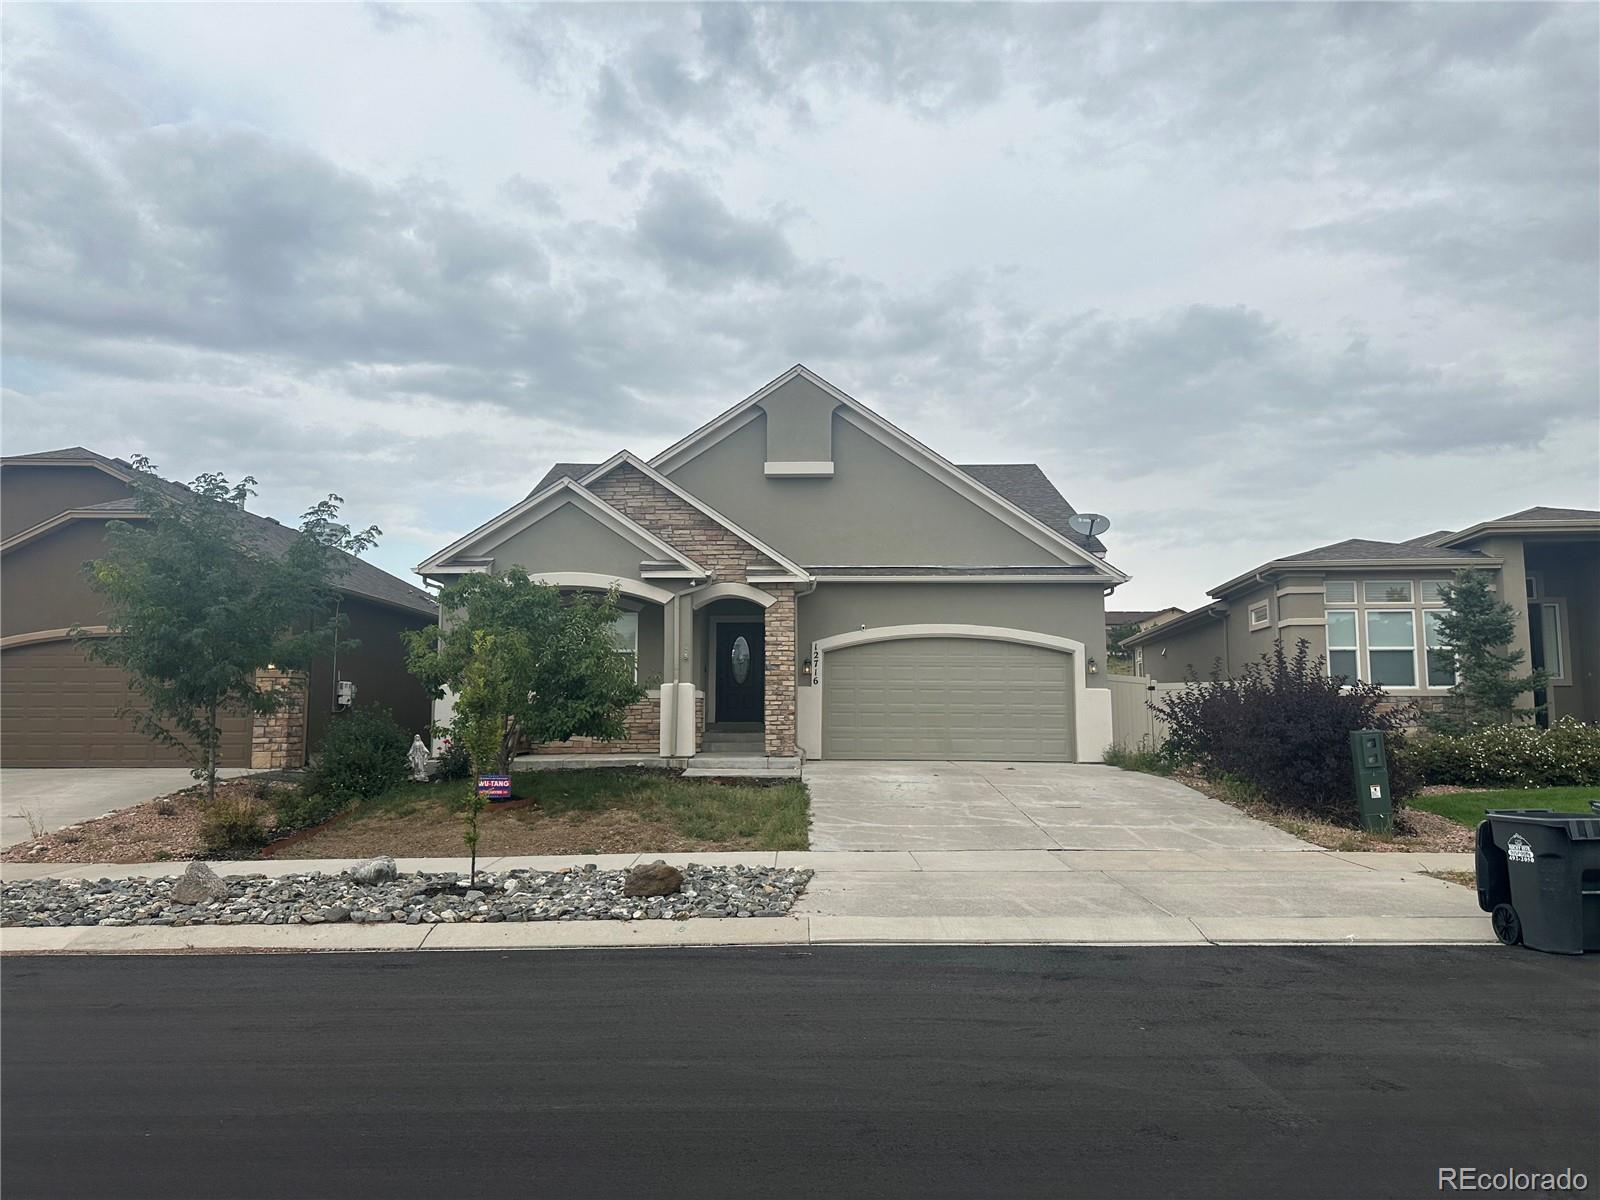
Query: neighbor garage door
(59, 709)
(957, 698)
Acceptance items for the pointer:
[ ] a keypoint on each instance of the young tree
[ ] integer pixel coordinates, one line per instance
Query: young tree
(199, 599)
(524, 661)
(1476, 629)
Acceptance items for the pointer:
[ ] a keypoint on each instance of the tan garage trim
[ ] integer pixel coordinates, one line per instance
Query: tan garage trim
(52, 635)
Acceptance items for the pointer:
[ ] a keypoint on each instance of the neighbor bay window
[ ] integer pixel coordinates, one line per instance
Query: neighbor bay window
(1386, 631)
(1391, 647)
(1342, 648)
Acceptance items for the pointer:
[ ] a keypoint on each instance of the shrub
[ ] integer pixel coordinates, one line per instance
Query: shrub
(1565, 755)
(297, 808)
(1144, 759)
(363, 755)
(1283, 727)
(454, 761)
(231, 826)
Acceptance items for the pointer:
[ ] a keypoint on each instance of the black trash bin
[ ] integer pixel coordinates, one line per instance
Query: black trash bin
(1539, 878)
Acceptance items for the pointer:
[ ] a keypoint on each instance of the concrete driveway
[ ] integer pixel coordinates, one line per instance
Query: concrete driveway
(1020, 806)
(49, 799)
(931, 851)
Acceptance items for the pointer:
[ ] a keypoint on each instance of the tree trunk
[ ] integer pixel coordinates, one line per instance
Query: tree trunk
(211, 756)
(508, 747)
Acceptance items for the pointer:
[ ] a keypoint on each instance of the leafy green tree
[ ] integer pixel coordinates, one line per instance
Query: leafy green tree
(199, 597)
(1477, 628)
(524, 661)
(1118, 657)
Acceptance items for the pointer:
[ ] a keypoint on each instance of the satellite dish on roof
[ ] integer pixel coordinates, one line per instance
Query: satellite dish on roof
(1089, 524)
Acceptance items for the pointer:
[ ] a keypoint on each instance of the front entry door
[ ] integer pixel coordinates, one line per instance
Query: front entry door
(741, 671)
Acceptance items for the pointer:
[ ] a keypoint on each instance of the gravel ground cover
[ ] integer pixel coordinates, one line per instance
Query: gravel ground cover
(578, 893)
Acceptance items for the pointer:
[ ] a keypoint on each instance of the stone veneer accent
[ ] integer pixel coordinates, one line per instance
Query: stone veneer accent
(278, 739)
(642, 722)
(730, 559)
(780, 703)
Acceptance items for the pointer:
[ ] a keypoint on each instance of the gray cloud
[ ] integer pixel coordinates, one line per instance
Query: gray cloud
(689, 230)
(1337, 236)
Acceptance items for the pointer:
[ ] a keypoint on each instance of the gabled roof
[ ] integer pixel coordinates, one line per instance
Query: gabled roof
(628, 458)
(1540, 513)
(562, 471)
(1024, 484)
(1029, 488)
(974, 489)
(360, 578)
(565, 490)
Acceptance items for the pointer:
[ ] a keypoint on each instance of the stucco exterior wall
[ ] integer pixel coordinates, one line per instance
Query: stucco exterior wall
(1068, 610)
(876, 509)
(567, 539)
(377, 667)
(1168, 657)
(799, 423)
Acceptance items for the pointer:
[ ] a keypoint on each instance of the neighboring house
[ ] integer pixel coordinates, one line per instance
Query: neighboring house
(1371, 608)
(801, 575)
(1143, 618)
(59, 709)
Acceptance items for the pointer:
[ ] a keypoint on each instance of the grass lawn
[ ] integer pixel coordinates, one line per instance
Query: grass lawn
(596, 811)
(1467, 808)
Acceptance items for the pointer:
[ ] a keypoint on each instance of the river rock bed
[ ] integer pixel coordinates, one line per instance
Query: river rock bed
(578, 893)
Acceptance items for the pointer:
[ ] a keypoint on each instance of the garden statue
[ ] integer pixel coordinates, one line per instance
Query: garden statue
(418, 757)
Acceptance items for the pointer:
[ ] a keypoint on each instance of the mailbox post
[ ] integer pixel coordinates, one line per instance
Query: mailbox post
(1371, 771)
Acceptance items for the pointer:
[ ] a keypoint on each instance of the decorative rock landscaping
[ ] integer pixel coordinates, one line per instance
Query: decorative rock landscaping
(578, 893)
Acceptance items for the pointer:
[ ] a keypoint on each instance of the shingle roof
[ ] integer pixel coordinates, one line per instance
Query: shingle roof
(1361, 548)
(1541, 513)
(360, 578)
(955, 572)
(562, 471)
(1030, 489)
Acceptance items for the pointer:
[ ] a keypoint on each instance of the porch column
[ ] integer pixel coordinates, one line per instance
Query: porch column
(778, 703)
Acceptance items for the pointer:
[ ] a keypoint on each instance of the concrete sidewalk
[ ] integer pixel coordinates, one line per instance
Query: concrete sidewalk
(1178, 897)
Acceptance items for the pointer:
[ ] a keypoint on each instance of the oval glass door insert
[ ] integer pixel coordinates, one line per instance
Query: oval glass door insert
(740, 655)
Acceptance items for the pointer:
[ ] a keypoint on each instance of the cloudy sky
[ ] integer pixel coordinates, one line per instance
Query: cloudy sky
(1246, 279)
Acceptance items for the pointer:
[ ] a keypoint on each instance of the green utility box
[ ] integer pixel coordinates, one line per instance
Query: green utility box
(1372, 781)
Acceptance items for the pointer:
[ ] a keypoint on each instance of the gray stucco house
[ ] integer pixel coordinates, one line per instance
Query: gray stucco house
(802, 576)
(1370, 607)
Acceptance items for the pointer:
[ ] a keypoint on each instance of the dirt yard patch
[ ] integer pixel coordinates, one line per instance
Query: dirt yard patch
(160, 830)
(571, 812)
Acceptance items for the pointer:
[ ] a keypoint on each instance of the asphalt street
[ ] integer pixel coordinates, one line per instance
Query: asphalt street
(836, 1072)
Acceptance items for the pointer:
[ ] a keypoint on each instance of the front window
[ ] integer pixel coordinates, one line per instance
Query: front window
(1391, 648)
(1430, 590)
(1550, 641)
(1259, 615)
(625, 639)
(1342, 643)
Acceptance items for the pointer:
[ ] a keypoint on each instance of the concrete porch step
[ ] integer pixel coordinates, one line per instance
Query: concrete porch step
(742, 766)
(732, 746)
(741, 773)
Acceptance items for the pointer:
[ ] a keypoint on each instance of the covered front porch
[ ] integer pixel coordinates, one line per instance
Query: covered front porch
(716, 660)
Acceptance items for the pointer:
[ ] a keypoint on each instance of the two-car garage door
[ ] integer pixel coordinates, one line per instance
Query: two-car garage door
(59, 709)
(948, 697)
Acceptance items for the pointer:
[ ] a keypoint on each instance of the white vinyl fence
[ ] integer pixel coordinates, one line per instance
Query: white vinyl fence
(1133, 725)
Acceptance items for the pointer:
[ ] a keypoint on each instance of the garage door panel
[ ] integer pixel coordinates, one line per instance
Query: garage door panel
(959, 698)
(58, 708)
